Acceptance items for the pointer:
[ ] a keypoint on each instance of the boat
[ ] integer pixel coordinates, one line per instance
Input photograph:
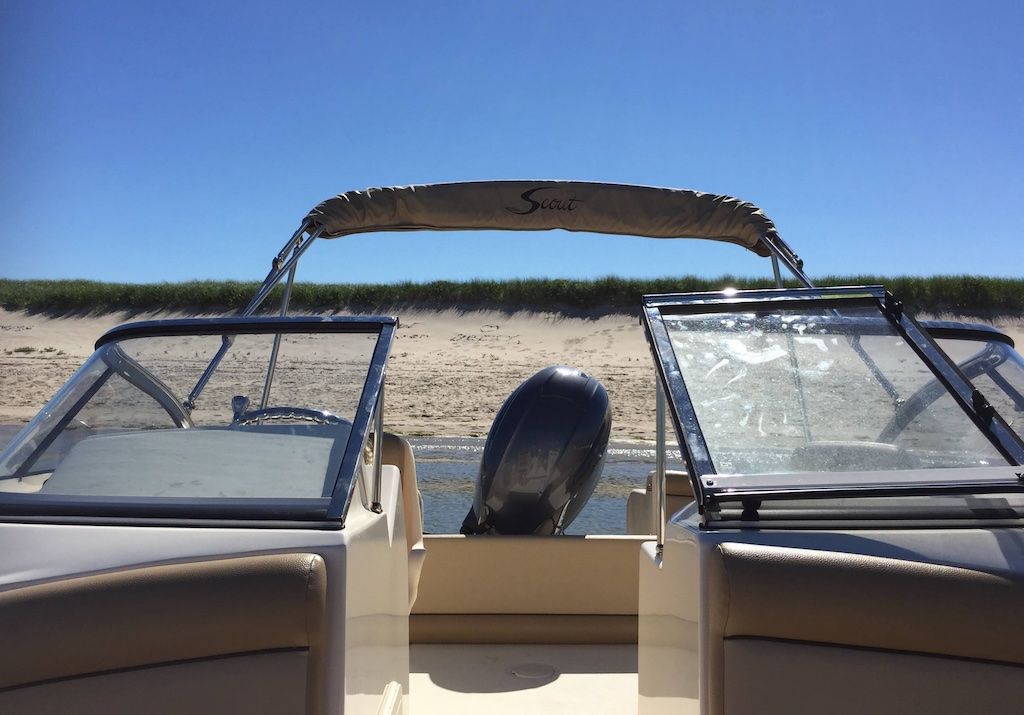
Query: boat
(210, 515)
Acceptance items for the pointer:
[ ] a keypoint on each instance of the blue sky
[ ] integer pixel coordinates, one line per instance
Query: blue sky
(150, 142)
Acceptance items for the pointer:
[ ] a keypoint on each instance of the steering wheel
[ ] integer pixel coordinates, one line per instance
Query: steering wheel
(320, 417)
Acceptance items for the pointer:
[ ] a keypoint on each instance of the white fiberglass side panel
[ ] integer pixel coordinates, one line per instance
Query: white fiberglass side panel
(376, 603)
(367, 579)
(669, 606)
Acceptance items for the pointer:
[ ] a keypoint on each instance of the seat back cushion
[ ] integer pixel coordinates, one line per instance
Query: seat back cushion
(798, 629)
(153, 621)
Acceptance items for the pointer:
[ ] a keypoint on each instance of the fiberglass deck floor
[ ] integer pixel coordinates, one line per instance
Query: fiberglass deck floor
(517, 679)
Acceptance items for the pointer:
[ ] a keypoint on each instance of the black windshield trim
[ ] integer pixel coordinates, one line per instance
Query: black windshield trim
(246, 326)
(953, 330)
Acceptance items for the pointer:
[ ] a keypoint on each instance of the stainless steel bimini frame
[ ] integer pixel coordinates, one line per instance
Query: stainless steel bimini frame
(298, 244)
(531, 205)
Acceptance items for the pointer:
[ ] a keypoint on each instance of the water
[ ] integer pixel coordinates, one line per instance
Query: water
(446, 471)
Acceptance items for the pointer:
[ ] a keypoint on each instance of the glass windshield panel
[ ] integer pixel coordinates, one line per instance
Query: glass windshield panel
(119, 429)
(817, 391)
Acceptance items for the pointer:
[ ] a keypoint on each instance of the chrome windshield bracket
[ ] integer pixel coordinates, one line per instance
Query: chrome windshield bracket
(659, 468)
(378, 453)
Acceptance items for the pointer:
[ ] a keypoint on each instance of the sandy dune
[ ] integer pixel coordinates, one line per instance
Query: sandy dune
(449, 371)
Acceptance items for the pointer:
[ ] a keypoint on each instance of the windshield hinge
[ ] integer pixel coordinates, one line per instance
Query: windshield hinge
(981, 406)
(750, 507)
(893, 306)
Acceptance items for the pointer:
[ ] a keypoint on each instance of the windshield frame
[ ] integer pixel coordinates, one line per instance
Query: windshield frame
(710, 489)
(329, 511)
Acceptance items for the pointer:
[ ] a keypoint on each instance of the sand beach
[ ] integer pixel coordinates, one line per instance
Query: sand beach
(449, 370)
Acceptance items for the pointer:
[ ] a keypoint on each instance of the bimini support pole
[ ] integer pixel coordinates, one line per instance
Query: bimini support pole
(776, 272)
(659, 465)
(275, 349)
(279, 267)
(795, 265)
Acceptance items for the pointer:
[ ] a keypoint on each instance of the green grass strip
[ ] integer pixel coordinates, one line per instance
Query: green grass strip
(963, 295)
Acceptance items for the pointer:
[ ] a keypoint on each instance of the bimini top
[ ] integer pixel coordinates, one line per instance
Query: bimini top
(541, 205)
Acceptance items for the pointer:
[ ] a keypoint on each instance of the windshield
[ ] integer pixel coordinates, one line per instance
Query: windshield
(794, 391)
(124, 426)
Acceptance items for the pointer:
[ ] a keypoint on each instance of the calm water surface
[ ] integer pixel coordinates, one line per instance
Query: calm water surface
(446, 470)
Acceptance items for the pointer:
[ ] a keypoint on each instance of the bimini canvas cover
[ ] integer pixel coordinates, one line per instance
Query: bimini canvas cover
(540, 205)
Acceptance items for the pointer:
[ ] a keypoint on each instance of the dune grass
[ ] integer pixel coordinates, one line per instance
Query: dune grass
(962, 295)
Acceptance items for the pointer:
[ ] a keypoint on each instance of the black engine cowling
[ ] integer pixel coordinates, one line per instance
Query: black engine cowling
(543, 455)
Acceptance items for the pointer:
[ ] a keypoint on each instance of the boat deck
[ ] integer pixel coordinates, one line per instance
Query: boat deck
(516, 679)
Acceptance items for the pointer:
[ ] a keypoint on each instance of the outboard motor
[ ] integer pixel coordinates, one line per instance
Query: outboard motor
(543, 455)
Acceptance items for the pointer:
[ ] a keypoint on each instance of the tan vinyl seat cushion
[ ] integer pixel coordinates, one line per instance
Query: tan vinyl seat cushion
(773, 676)
(528, 589)
(830, 598)
(164, 614)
